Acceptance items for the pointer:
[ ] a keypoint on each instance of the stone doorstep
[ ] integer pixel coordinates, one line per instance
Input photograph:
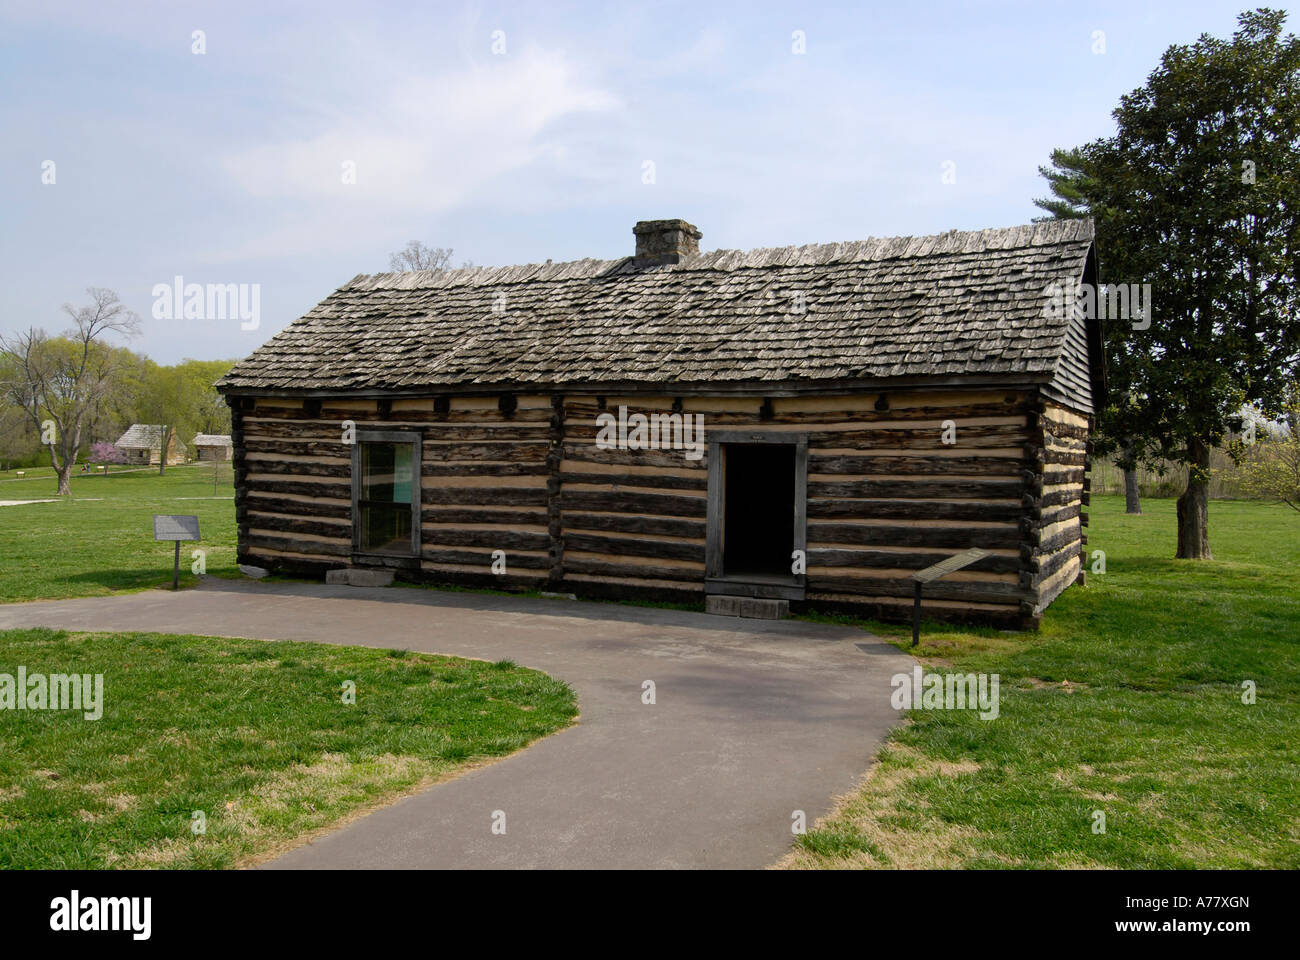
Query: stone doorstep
(751, 607)
(360, 577)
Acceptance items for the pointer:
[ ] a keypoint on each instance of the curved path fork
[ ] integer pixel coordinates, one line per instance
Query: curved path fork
(753, 720)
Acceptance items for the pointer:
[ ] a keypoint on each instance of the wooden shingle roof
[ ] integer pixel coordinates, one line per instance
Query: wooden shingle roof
(212, 440)
(142, 436)
(959, 304)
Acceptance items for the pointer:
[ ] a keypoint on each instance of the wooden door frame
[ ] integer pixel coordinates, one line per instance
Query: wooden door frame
(715, 579)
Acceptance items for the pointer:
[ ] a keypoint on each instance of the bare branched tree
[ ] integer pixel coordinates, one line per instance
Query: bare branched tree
(59, 381)
(416, 256)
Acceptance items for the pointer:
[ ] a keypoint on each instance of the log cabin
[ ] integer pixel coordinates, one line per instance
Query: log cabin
(142, 444)
(212, 446)
(809, 425)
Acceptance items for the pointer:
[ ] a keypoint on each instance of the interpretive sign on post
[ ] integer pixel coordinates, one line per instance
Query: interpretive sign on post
(177, 528)
(940, 569)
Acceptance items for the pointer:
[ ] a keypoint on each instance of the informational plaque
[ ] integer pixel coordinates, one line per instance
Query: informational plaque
(175, 527)
(944, 567)
(931, 573)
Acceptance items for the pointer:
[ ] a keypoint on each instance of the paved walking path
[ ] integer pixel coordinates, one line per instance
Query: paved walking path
(752, 721)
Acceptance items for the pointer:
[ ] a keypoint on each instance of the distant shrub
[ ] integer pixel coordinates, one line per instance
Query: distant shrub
(1270, 467)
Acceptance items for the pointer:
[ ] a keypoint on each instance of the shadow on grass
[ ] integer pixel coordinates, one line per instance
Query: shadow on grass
(126, 580)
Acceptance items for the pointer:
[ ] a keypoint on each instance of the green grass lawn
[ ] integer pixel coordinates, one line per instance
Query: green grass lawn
(1129, 702)
(100, 540)
(252, 735)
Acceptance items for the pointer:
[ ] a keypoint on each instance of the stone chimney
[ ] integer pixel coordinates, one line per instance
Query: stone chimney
(665, 241)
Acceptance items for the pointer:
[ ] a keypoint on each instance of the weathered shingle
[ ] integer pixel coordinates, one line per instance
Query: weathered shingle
(952, 304)
(141, 436)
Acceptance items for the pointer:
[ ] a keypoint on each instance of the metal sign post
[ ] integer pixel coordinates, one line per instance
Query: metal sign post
(940, 569)
(175, 528)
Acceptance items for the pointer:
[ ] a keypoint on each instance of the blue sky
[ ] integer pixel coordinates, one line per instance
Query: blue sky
(227, 167)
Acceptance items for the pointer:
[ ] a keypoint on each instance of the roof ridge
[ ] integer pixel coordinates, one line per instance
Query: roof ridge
(872, 249)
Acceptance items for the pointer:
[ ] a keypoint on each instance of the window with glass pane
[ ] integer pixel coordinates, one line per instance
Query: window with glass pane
(387, 481)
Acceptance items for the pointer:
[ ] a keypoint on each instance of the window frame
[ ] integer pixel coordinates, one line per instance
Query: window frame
(416, 439)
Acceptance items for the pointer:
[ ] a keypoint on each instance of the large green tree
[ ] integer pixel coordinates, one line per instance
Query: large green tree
(211, 413)
(1076, 183)
(180, 398)
(162, 398)
(1197, 194)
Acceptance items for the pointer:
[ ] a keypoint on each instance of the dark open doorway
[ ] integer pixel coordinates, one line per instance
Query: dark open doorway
(760, 509)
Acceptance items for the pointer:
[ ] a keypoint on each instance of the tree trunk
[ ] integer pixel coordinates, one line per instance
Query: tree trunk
(1194, 505)
(162, 458)
(62, 471)
(1132, 502)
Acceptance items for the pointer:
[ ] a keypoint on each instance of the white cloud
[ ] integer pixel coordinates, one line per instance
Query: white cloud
(432, 141)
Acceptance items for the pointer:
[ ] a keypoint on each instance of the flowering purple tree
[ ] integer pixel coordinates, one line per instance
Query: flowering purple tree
(106, 453)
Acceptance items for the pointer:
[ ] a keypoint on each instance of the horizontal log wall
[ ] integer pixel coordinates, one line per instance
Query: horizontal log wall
(1056, 560)
(633, 520)
(484, 492)
(293, 488)
(483, 486)
(886, 494)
